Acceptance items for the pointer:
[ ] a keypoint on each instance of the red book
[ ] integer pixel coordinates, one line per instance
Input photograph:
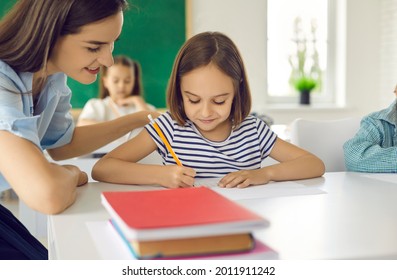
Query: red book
(178, 213)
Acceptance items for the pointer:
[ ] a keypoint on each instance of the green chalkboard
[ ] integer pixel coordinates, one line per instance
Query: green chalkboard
(5, 6)
(153, 32)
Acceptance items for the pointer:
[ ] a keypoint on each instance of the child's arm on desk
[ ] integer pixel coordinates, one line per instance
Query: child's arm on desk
(120, 166)
(295, 163)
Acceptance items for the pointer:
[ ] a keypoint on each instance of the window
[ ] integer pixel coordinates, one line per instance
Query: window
(303, 22)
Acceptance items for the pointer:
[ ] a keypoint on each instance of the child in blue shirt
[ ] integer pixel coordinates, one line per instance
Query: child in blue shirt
(374, 147)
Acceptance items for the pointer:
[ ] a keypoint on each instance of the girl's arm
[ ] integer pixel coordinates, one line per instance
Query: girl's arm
(87, 139)
(46, 187)
(295, 163)
(120, 166)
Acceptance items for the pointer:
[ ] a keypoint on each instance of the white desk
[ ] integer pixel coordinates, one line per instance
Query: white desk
(355, 219)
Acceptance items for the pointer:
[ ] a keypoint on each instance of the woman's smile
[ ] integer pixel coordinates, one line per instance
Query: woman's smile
(93, 71)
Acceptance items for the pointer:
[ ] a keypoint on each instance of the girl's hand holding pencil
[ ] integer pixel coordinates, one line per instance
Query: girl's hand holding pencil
(174, 176)
(181, 177)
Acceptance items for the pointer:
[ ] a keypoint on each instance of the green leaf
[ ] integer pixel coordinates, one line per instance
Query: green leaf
(305, 83)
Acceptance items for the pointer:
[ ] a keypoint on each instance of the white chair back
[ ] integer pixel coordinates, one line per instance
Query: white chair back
(325, 139)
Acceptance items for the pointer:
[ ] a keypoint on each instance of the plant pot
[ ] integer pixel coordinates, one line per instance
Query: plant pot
(304, 97)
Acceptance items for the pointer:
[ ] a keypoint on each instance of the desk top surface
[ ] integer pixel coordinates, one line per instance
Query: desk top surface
(354, 219)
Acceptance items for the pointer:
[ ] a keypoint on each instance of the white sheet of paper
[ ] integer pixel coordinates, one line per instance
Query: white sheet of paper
(272, 189)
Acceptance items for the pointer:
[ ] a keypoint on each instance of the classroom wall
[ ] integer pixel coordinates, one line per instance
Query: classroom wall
(244, 22)
(359, 63)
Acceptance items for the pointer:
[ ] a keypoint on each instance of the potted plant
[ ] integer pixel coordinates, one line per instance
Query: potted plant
(305, 69)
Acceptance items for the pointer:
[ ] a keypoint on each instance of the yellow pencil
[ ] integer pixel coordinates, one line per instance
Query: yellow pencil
(160, 133)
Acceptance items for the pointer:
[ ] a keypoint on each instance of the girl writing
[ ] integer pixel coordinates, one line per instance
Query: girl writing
(209, 128)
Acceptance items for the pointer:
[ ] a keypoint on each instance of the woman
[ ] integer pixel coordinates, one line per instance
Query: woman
(41, 44)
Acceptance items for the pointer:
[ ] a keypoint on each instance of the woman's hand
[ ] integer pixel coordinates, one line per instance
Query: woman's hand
(82, 176)
(83, 179)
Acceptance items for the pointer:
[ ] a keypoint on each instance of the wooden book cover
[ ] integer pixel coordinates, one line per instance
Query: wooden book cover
(178, 213)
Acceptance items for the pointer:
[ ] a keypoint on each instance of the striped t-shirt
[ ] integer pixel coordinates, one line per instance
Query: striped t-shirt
(245, 148)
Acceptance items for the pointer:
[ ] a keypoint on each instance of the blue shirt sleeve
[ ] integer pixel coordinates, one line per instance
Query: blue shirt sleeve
(373, 148)
(56, 121)
(50, 126)
(13, 116)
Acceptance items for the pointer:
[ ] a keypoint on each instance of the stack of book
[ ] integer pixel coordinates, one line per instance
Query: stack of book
(184, 223)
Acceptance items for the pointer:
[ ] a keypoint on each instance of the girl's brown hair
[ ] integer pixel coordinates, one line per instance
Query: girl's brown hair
(30, 30)
(199, 51)
(125, 61)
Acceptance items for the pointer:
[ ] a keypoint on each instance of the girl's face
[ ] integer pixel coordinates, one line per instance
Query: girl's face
(119, 81)
(80, 55)
(208, 95)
